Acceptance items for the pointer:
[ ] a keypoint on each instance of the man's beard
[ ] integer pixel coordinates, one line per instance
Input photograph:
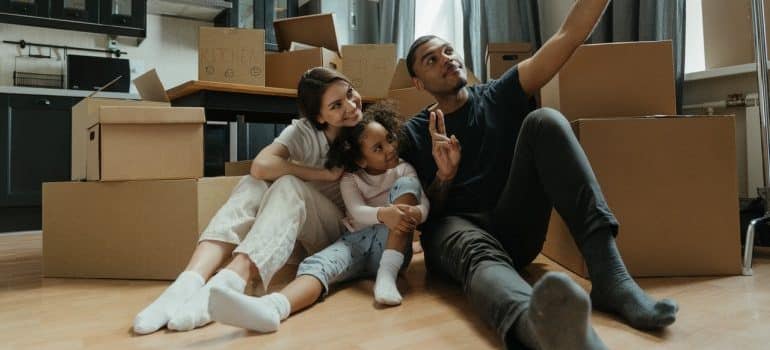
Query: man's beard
(460, 84)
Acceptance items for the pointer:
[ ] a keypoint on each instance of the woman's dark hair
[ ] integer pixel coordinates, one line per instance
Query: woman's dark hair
(345, 151)
(311, 89)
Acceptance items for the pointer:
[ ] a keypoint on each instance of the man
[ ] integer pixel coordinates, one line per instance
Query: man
(491, 198)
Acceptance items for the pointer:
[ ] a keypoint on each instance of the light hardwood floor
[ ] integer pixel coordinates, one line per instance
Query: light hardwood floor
(43, 313)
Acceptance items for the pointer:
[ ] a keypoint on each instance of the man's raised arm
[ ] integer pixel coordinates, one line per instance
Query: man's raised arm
(537, 70)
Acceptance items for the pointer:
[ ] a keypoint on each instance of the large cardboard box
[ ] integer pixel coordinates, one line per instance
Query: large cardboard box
(369, 67)
(728, 32)
(145, 143)
(614, 80)
(502, 56)
(672, 184)
(131, 229)
(284, 69)
(232, 55)
(239, 168)
(317, 47)
(409, 100)
(86, 113)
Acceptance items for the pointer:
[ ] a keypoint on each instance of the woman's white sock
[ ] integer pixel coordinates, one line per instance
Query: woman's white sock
(195, 312)
(157, 314)
(262, 314)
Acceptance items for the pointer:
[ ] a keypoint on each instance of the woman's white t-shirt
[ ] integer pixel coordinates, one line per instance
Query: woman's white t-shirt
(308, 146)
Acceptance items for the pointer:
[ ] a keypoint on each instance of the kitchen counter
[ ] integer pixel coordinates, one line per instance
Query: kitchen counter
(64, 92)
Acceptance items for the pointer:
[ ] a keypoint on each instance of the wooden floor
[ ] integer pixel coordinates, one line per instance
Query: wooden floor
(37, 313)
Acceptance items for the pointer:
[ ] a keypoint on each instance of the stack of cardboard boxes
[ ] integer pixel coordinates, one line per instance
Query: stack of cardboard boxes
(670, 180)
(137, 202)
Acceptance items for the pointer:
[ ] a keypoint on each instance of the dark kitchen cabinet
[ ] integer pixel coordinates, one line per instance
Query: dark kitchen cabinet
(34, 148)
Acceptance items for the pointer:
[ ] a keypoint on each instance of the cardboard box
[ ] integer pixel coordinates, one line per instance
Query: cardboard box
(86, 113)
(311, 42)
(614, 80)
(145, 143)
(284, 69)
(728, 32)
(672, 184)
(502, 56)
(369, 67)
(232, 55)
(131, 230)
(238, 168)
(409, 100)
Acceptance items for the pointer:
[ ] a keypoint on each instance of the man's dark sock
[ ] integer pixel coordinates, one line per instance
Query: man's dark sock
(614, 291)
(558, 317)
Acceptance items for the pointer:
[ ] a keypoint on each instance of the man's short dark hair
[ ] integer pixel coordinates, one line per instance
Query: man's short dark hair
(412, 49)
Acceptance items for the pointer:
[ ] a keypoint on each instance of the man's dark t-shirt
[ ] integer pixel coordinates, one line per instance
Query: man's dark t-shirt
(487, 127)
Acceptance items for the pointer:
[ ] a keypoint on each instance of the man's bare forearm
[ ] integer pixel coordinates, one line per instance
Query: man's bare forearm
(438, 193)
(582, 19)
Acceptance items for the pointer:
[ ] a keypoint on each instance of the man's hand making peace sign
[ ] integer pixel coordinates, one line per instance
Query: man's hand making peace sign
(446, 150)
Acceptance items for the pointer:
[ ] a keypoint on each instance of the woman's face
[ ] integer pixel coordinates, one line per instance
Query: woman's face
(379, 149)
(340, 105)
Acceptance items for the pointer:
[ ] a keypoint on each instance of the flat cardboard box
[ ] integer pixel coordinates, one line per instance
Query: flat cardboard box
(614, 80)
(502, 56)
(86, 113)
(369, 67)
(314, 30)
(232, 55)
(127, 230)
(284, 69)
(672, 184)
(238, 168)
(145, 143)
(728, 32)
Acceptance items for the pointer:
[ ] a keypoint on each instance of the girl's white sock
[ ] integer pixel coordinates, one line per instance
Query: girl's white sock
(262, 314)
(385, 290)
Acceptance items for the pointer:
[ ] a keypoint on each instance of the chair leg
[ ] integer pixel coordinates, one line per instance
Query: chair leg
(748, 248)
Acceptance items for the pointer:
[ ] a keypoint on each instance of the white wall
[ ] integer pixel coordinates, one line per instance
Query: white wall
(171, 47)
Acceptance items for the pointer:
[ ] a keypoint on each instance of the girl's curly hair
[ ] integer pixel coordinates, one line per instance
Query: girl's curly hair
(345, 151)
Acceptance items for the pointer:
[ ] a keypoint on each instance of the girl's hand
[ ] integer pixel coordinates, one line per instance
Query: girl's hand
(396, 219)
(331, 174)
(411, 210)
(446, 150)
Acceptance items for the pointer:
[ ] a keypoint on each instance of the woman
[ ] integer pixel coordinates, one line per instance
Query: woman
(261, 222)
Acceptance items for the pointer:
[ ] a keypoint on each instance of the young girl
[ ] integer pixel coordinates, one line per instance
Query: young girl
(259, 224)
(384, 201)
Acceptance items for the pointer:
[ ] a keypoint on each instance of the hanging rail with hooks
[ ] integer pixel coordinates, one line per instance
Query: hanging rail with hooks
(23, 44)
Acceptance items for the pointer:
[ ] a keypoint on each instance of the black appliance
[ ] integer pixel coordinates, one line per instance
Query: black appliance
(91, 73)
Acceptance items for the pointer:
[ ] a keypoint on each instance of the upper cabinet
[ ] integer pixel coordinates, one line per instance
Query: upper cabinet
(112, 17)
(76, 10)
(25, 7)
(125, 13)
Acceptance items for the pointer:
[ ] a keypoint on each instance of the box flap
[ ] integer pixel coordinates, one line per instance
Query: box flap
(314, 30)
(295, 46)
(151, 115)
(150, 87)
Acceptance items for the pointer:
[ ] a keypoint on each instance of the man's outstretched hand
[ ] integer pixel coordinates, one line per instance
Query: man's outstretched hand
(446, 150)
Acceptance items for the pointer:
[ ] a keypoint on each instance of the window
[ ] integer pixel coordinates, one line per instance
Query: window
(694, 54)
(443, 18)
